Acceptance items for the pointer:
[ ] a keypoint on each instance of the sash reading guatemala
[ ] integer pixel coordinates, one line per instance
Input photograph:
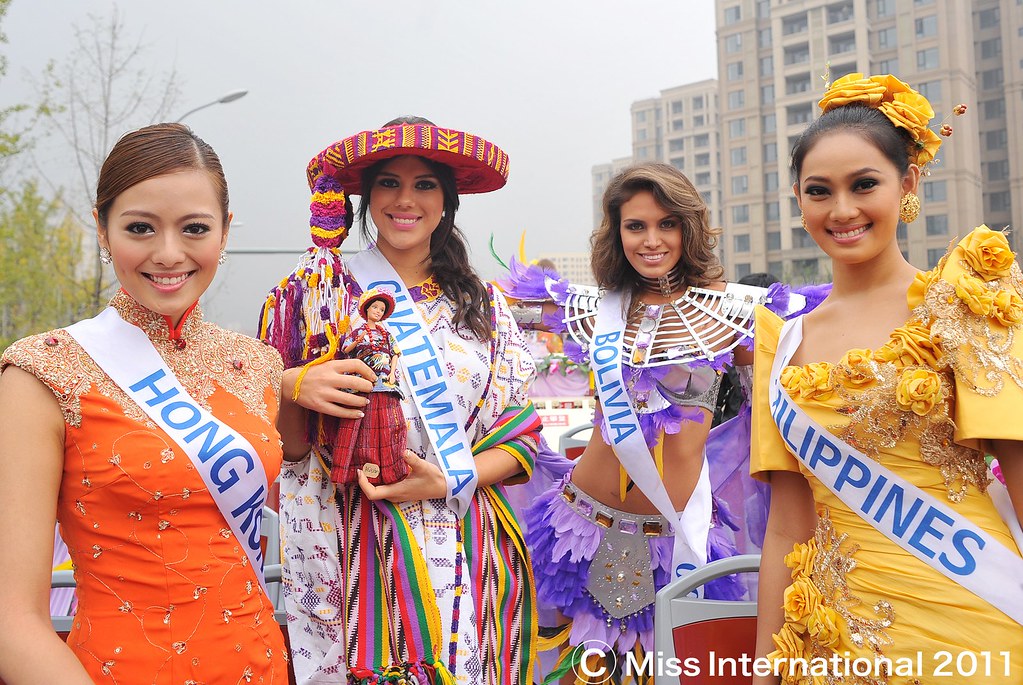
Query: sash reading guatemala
(919, 523)
(426, 376)
(227, 462)
(622, 425)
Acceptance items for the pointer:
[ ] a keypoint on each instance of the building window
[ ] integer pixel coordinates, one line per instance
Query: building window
(927, 26)
(676, 144)
(774, 240)
(735, 71)
(888, 66)
(698, 120)
(733, 43)
(805, 269)
(839, 13)
(989, 18)
(766, 94)
(770, 181)
(702, 179)
(736, 99)
(733, 14)
(937, 224)
(934, 255)
(885, 8)
(679, 163)
(1000, 202)
(992, 78)
(740, 214)
(991, 48)
(676, 107)
(887, 38)
(774, 268)
(740, 185)
(764, 38)
(737, 128)
(770, 152)
(703, 159)
(698, 102)
(677, 125)
(763, 9)
(998, 171)
(994, 109)
(797, 84)
(701, 140)
(769, 123)
(794, 209)
(996, 140)
(794, 24)
(799, 114)
(640, 117)
(844, 43)
(772, 212)
(740, 243)
(642, 153)
(927, 59)
(742, 270)
(920, 3)
(738, 155)
(935, 191)
(797, 54)
(931, 90)
(641, 134)
(766, 65)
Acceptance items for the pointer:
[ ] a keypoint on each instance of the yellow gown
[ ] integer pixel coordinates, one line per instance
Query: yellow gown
(924, 405)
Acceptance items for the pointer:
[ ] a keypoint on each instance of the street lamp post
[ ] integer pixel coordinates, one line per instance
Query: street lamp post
(229, 97)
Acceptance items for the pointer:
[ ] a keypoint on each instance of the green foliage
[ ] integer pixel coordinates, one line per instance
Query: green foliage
(45, 268)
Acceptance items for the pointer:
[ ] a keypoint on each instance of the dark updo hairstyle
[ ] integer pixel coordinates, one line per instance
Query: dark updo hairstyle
(673, 192)
(449, 252)
(870, 123)
(154, 151)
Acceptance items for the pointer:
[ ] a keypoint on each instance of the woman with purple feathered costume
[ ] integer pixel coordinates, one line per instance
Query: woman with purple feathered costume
(637, 508)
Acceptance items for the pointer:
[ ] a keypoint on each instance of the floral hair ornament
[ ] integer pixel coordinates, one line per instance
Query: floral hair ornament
(903, 106)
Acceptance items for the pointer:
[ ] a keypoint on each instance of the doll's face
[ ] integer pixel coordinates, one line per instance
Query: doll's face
(375, 312)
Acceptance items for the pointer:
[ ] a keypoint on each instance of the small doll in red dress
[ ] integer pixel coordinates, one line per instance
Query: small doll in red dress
(376, 442)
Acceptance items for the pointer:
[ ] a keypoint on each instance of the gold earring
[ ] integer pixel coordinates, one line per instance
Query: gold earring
(802, 220)
(909, 208)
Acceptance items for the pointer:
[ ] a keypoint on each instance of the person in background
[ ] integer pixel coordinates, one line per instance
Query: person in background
(149, 434)
(887, 540)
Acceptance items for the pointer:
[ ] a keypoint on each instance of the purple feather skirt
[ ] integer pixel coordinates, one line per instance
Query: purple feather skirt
(562, 544)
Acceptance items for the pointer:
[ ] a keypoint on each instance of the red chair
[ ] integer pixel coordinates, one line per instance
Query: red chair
(712, 642)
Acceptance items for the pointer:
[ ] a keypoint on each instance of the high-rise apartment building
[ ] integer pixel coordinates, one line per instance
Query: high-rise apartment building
(773, 58)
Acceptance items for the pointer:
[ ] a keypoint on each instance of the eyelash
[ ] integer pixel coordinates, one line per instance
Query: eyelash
(389, 182)
(194, 229)
(861, 184)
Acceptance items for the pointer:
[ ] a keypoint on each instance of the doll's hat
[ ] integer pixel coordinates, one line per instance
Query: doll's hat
(373, 295)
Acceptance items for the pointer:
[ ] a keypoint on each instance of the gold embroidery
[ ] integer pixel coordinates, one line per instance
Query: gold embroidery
(242, 366)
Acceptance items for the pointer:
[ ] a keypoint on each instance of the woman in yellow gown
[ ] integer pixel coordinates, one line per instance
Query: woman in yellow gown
(914, 377)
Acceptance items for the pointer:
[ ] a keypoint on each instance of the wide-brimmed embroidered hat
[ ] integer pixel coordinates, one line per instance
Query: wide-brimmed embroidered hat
(376, 295)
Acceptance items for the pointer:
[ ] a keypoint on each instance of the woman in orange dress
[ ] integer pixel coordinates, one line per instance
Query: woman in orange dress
(158, 484)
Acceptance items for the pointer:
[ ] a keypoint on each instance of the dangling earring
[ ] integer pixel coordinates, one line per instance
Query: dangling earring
(909, 208)
(105, 256)
(802, 220)
(222, 259)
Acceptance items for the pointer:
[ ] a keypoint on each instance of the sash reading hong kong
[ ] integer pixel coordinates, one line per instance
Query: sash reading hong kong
(917, 522)
(426, 376)
(622, 425)
(227, 462)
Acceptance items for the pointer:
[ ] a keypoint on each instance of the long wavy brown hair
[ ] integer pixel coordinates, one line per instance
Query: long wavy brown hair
(677, 196)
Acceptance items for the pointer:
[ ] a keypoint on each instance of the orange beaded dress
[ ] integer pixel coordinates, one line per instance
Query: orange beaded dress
(166, 592)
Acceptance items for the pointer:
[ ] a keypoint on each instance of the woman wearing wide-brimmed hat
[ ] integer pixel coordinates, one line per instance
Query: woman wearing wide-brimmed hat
(427, 576)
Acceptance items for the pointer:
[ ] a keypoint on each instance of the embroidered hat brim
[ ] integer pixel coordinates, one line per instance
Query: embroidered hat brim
(479, 165)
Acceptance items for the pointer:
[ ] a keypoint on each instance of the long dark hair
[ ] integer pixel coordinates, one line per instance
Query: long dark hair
(449, 252)
(698, 266)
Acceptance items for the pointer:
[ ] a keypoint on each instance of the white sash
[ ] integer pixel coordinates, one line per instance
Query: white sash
(621, 424)
(228, 464)
(917, 522)
(426, 376)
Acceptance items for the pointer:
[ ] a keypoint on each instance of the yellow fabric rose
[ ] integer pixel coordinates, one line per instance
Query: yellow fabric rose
(789, 646)
(988, 253)
(852, 88)
(825, 625)
(975, 294)
(921, 284)
(927, 144)
(908, 110)
(918, 390)
(800, 600)
(1007, 308)
(801, 558)
(790, 378)
(910, 345)
(815, 383)
(856, 369)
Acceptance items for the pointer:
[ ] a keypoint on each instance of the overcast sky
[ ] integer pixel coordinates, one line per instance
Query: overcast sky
(550, 82)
